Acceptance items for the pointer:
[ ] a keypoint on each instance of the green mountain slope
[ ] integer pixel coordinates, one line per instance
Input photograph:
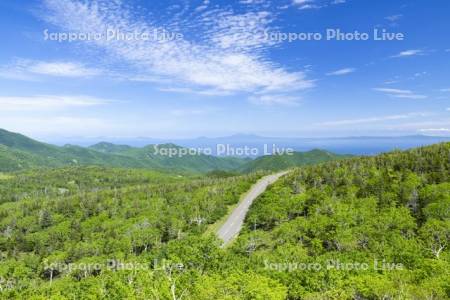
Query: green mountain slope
(20, 142)
(285, 161)
(19, 152)
(161, 157)
(361, 228)
(12, 160)
(92, 215)
(109, 147)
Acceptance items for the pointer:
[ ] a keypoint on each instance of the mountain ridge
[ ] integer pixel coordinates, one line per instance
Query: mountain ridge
(281, 162)
(20, 152)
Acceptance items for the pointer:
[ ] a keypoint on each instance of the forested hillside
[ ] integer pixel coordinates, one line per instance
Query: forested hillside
(360, 228)
(286, 161)
(91, 216)
(363, 228)
(18, 152)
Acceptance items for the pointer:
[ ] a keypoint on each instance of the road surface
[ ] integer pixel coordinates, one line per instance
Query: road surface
(234, 223)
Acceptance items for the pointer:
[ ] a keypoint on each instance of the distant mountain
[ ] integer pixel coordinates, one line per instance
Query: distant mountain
(171, 156)
(360, 145)
(20, 152)
(286, 161)
(109, 147)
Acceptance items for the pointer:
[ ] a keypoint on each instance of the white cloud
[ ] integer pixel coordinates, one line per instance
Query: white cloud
(390, 81)
(393, 18)
(270, 100)
(229, 56)
(308, 6)
(435, 130)
(393, 91)
(414, 124)
(63, 69)
(252, 1)
(203, 6)
(202, 92)
(372, 119)
(420, 74)
(15, 75)
(54, 125)
(313, 4)
(24, 69)
(397, 93)
(409, 96)
(48, 102)
(301, 2)
(408, 53)
(341, 72)
(445, 90)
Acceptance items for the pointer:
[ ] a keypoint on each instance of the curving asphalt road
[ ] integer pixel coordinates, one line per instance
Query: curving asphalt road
(234, 223)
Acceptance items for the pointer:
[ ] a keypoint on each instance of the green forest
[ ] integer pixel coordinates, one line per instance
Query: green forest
(356, 228)
(19, 152)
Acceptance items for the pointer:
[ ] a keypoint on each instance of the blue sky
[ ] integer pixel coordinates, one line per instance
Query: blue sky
(221, 70)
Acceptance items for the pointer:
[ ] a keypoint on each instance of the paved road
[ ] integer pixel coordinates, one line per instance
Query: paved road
(234, 223)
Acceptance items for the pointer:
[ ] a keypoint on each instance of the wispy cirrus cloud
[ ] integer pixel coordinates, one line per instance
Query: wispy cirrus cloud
(315, 4)
(54, 125)
(341, 72)
(398, 93)
(202, 92)
(392, 91)
(409, 53)
(372, 119)
(305, 4)
(63, 69)
(424, 126)
(252, 1)
(269, 100)
(25, 69)
(394, 18)
(219, 49)
(48, 102)
(203, 6)
(435, 130)
(302, 2)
